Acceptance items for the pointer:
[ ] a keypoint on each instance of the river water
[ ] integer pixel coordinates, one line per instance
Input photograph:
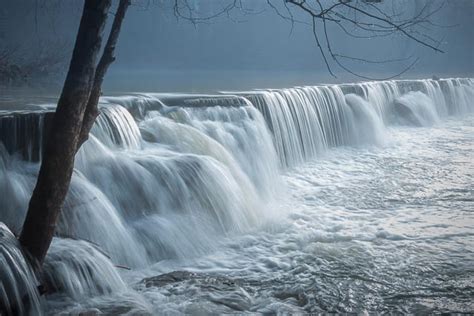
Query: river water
(341, 198)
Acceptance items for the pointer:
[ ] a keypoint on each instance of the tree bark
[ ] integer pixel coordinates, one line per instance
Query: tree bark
(58, 160)
(107, 58)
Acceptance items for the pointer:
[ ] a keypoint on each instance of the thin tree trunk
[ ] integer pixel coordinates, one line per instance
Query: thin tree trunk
(58, 160)
(107, 58)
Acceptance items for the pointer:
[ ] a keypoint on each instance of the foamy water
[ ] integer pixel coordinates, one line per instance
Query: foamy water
(340, 198)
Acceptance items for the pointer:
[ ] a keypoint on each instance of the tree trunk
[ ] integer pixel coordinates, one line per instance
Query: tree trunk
(107, 58)
(58, 160)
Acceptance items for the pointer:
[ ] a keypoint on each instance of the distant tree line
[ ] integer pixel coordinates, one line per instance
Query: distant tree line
(17, 69)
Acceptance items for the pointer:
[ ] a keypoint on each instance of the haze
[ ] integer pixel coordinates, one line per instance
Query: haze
(158, 52)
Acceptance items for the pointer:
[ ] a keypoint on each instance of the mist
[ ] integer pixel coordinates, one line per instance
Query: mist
(158, 51)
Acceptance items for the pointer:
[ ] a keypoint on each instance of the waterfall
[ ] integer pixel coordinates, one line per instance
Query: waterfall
(167, 176)
(77, 269)
(417, 108)
(22, 132)
(117, 127)
(306, 121)
(18, 293)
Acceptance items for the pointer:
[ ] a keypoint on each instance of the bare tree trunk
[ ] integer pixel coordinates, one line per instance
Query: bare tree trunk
(58, 160)
(107, 58)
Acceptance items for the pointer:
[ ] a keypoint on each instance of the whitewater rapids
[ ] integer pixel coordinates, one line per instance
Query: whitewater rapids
(333, 198)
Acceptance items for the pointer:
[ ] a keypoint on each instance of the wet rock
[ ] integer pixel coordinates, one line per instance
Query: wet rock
(168, 278)
(202, 279)
(299, 298)
(222, 291)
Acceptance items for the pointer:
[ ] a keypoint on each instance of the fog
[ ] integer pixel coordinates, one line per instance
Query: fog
(159, 52)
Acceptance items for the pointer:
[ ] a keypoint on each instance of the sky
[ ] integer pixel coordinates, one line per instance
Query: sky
(260, 49)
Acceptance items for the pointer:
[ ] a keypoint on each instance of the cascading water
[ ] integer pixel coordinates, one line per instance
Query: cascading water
(167, 177)
(418, 108)
(306, 121)
(18, 288)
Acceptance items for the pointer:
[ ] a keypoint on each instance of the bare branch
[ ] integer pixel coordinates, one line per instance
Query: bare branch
(398, 27)
(377, 23)
(360, 19)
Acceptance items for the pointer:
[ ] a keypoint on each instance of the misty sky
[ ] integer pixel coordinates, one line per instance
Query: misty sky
(159, 52)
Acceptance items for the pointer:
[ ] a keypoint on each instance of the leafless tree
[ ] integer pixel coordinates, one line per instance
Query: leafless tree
(73, 119)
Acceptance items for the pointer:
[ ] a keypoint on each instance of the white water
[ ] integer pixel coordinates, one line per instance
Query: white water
(303, 199)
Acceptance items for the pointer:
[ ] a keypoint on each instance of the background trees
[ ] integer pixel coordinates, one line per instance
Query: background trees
(246, 48)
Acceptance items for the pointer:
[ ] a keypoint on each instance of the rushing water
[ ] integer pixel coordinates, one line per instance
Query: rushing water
(338, 198)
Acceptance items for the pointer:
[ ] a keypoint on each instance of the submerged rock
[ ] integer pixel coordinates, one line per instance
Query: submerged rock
(181, 276)
(168, 278)
(231, 295)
